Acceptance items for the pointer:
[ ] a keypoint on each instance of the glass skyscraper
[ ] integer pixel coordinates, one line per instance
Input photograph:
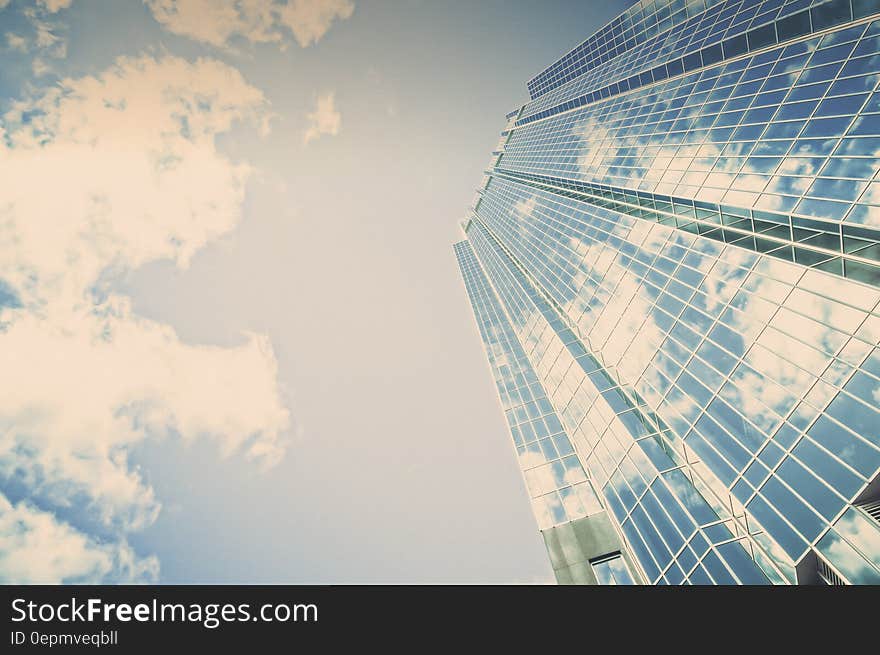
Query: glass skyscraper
(674, 264)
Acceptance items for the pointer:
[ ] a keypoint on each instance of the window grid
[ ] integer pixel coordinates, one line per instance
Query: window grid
(786, 29)
(678, 291)
(730, 140)
(533, 254)
(636, 529)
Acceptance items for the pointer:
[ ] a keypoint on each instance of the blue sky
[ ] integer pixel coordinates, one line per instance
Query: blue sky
(242, 351)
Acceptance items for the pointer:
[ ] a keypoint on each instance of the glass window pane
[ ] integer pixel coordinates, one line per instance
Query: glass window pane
(612, 570)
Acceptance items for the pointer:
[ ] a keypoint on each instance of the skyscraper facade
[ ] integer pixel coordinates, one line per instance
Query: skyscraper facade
(674, 264)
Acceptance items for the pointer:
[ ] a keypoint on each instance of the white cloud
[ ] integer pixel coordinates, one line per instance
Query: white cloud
(215, 22)
(324, 120)
(309, 20)
(16, 42)
(101, 175)
(46, 36)
(87, 390)
(36, 548)
(54, 6)
(259, 21)
(39, 67)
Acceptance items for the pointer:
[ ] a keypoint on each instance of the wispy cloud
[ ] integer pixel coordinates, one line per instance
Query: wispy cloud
(103, 174)
(54, 6)
(37, 548)
(42, 34)
(309, 20)
(16, 42)
(257, 21)
(324, 120)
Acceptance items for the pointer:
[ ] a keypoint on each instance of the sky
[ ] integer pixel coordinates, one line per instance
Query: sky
(236, 345)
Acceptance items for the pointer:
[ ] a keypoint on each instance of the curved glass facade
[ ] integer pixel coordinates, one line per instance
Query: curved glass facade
(677, 284)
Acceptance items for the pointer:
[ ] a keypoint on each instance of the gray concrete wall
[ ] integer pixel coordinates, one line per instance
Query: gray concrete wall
(572, 545)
